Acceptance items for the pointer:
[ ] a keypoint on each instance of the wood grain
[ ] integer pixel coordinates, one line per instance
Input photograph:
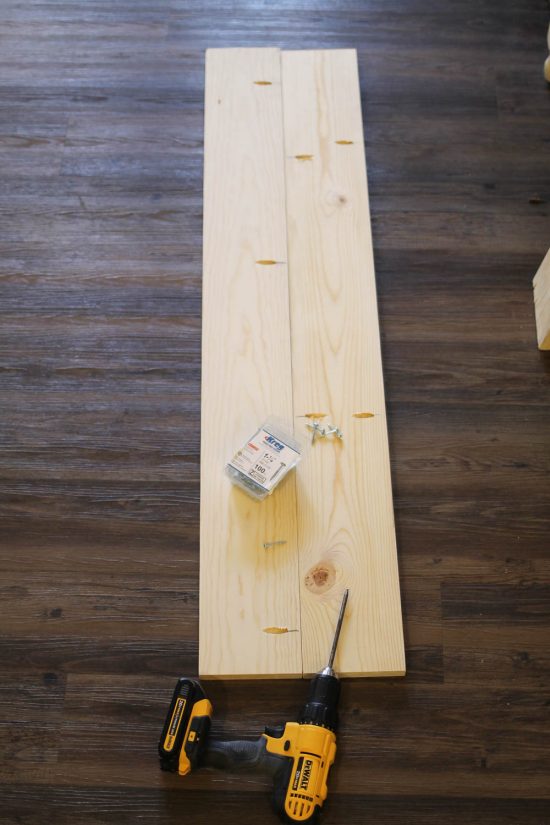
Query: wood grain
(101, 113)
(346, 530)
(246, 372)
(541, 286)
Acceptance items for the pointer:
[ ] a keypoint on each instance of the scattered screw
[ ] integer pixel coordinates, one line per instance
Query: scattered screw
(278, 630)
(323, 432)
(268, 544)
(317, 430)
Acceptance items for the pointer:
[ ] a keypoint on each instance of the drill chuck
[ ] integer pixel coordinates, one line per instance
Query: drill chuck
(321, 706)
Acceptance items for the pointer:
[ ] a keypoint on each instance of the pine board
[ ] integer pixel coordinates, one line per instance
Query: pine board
(246, 372)
(346, 532)
(541, 294)
(336, 514)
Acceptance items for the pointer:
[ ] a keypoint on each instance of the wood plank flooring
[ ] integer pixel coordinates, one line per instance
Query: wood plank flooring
(101, 128)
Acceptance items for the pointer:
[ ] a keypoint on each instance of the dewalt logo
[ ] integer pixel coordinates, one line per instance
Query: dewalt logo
(306, 774)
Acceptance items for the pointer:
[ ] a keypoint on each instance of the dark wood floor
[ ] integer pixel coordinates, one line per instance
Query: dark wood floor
(100, 278)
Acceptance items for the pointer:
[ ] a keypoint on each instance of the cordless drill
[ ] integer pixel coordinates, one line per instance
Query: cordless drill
(297, 755)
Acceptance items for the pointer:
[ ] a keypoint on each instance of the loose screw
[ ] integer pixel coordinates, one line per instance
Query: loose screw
(317, 430)
(323, 432)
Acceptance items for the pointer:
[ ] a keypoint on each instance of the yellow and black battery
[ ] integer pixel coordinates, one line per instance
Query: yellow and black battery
(186, 728)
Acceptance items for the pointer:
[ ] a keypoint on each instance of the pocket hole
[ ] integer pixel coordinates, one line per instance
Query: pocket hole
(276, 631)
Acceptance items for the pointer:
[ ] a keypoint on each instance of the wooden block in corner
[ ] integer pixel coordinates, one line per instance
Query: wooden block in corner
(541, 286)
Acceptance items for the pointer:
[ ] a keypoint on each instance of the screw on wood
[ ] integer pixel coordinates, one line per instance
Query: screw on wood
(323, 432)
(279, 630)
(315, 426)
(268, 544)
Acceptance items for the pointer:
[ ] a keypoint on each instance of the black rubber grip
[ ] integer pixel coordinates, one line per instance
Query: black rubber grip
(241, 755)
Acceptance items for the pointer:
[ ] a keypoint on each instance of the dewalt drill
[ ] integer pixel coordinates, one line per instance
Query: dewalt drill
(298, 755)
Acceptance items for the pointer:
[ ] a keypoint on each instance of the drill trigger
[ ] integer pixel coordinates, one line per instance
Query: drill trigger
(275, 731)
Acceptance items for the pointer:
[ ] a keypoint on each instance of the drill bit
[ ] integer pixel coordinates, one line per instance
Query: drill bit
(329, 671)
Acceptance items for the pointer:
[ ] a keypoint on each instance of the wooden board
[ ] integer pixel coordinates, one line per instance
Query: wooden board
(346, 532)
(541, 286)
(246, 371)
(336, 513)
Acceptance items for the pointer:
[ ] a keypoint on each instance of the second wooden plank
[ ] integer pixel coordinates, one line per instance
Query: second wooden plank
(346, 532)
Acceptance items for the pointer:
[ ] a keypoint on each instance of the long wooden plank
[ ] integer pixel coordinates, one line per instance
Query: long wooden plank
(346, 531)
(246, 372)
